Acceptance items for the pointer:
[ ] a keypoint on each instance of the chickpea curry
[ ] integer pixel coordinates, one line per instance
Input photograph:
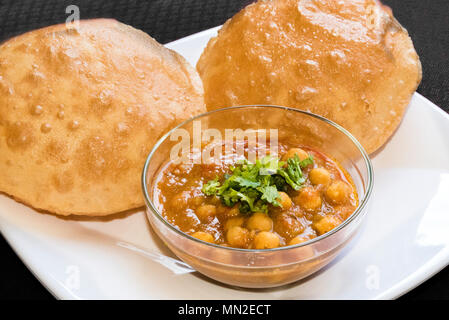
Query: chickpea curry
(270, 203)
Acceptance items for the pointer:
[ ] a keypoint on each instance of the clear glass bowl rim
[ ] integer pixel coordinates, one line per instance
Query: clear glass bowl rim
(352, 217)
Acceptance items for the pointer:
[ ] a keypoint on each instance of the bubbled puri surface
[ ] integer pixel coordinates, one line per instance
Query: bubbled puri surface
(80, 108)
(349, 61)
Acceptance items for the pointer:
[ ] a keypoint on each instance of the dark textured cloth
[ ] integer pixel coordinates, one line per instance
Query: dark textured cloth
(168, 20)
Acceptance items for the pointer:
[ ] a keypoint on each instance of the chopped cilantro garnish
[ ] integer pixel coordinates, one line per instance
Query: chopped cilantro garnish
(210, 188)
(255, 185)
(293, 173)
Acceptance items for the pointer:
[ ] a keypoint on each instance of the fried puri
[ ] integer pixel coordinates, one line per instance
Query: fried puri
(349, 61)
(80, 109)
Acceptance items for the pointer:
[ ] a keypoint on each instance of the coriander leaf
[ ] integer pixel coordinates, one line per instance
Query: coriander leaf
(289, 180)
(211, 188)
(229, 197)
(268, 165)
(260, 206)
(245, 182)
(293, 173)
(244, 207)
(247, 198)
(308, 161)
(279, 182)
(269, 194)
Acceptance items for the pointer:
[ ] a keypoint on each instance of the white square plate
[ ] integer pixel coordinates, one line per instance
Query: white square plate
(403, 242)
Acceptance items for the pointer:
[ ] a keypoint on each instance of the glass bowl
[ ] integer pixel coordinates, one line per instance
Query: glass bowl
(270, 267)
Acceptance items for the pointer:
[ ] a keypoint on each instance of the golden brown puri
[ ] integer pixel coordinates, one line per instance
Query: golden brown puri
(80, 110)
(349, 61)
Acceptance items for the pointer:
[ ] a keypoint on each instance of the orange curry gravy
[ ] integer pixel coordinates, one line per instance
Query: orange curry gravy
(326, 199)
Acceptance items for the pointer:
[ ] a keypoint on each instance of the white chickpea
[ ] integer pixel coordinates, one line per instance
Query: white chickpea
(234, 211)
(297, 240)
(302, 155)
(237, 237)
(204, 236)
(319, 176)
(309, 199)
(205, 211)
(284, 200)
(266, 240)
(234, 222)
(180, 201)
(259, 221)
(197, 201)
(326, 224)
(338, 192)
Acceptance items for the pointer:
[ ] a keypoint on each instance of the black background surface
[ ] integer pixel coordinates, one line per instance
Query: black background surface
(168, 20)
